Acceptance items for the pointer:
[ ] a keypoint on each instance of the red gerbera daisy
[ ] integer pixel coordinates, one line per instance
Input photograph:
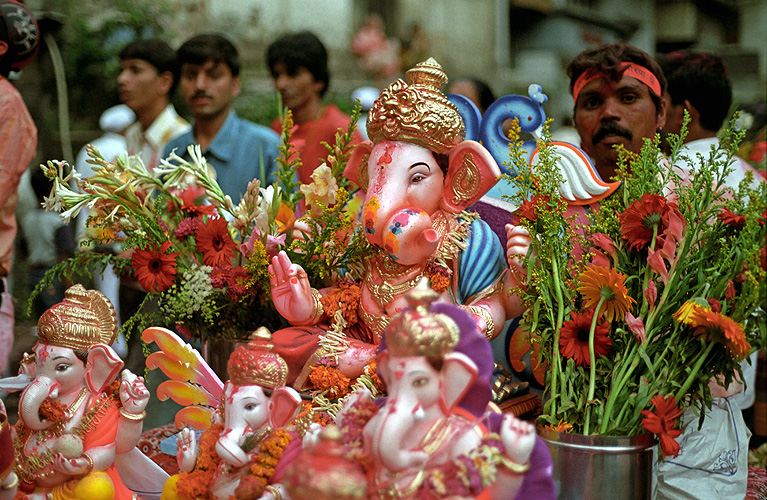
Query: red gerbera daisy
(731, 219)
(189, 197)
(527, 210)
(238, 283)
(574, 338)
(720, 328)
(155, 269)
(213, 240)
(649, 212)
(662, 423)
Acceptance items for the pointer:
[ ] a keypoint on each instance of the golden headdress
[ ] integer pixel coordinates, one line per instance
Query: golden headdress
(256, 364)
(419, 331)
(417, 111)
(83, 319)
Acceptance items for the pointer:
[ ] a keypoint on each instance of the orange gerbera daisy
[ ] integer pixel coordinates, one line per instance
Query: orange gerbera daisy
(662, 423)
(599, 283)
(213, 240)
(574, 338)
(649, 212)
(686, 312)
(155, 269)
(720, 328)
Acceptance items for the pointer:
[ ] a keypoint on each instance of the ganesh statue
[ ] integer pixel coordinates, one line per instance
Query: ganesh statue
(419, 177)
(79, 423)
(244, 451)
(432, 438)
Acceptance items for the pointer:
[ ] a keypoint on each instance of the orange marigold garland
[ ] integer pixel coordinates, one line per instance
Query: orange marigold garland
(439, 276)
(195, 485)
(328, 378)
(262, 468)
(52, 411)
(346, 297)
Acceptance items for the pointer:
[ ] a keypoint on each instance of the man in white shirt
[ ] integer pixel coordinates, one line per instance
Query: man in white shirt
(148, 77)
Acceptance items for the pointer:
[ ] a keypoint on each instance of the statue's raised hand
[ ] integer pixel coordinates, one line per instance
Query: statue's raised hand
(133, 393)
(517, 245)
(186, 449)
(518, 439)
(291, 292)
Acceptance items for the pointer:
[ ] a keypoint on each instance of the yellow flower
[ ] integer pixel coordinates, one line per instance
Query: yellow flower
(562, 426)
(321, 190)
(686, 312)
(600, 283)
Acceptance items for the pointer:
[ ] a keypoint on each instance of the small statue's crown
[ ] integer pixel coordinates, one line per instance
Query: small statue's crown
(83, 319)
(419, 331)
(417, 111)
(256, 364)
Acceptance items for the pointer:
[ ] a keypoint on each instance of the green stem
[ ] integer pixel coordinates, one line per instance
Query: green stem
(557, 368)
(592, 365)
(616, 391)
(694, 372)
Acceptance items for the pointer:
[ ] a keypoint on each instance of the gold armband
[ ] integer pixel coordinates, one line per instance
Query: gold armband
(135, 417)
(275, 491)
(90, 463)
(484, 314)
(319, 310)
(514, 466)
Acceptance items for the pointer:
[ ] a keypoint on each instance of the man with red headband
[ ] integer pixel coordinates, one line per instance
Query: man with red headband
(19, 38)
(617, 92)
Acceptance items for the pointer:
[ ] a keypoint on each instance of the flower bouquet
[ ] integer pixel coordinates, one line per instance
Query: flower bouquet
(199, 257)
(637, 303)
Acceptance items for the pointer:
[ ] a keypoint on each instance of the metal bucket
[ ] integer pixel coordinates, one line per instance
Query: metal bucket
(601, 467)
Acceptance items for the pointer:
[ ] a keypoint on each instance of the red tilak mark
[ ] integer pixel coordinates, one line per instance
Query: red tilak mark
(398, 374)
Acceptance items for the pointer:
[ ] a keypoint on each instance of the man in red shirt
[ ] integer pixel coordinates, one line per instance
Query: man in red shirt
(19, 37)
(298, 63)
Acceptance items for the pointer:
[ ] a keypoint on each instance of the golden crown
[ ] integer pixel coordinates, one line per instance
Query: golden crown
(83, 319)
(417, 111)
(256, 364)
(419, 331)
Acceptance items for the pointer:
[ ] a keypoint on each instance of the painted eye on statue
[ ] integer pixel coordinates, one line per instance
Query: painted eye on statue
(417, 178)
(420, 382)
(62, 367)
(251, 406)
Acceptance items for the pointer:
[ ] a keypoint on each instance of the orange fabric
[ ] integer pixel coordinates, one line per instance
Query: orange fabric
(307, 139)
(18, 141)
(103, 434)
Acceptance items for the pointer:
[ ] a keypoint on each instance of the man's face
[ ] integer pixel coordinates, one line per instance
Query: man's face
(141, 86)
(208, 89)
(609, 113)
(298, 90)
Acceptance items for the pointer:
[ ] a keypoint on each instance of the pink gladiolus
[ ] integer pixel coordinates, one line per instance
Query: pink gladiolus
(636, 326)
(657, 264)
(599, 258)
(716, 306)
(668, 250)
(729, 293)
(604, 242)
(651, 293)
(676, 223)
(274, 244)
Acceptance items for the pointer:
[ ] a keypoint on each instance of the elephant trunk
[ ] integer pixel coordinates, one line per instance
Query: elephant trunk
(391, 442)
(229, 446)
(409, 236)
(32, 399)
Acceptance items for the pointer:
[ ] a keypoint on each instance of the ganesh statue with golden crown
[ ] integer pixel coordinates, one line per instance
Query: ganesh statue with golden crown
(78, 421)
(419, 176)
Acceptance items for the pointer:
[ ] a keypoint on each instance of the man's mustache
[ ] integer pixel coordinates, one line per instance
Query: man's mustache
(201, 94)
(611, 128)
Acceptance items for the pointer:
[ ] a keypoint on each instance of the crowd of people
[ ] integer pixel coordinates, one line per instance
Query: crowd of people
(621, 96)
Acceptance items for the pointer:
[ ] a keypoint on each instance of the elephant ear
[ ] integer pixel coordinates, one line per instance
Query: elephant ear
(357, 168)
(102, 367)
(284, 405)
(471, 173)
(458, 373)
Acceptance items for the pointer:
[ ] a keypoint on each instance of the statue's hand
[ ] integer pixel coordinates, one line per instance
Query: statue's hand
(517, 245)
(291, 292)
(133, 393)
(71, 466)
(186, 450)
(518, 438)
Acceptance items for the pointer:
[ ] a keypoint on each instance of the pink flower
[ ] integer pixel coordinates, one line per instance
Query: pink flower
(599, 259)
(187, 227)
(651, 293)
(274, 244)
(636, 326)
(657, 264)
(729, 293)
(716, 306)
(604, 242)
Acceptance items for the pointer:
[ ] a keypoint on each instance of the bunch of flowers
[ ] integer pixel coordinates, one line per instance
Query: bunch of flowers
(202, 259)
(634, 312)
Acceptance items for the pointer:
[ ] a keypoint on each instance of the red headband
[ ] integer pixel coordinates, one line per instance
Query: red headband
(627, 69)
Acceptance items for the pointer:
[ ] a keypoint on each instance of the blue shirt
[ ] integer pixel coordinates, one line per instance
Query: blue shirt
(236, 154)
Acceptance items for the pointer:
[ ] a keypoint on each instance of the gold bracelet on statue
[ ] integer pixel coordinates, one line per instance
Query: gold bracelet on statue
(135, 417)
(514, 466)
(90, 463)
(482, 313)
(275, 491)
(519, 276)
(12, 484)
(318, 309)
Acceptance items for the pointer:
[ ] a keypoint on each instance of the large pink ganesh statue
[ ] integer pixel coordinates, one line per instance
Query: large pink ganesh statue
(419, 176)
(76, 418)
(246, 449)
(427, 442)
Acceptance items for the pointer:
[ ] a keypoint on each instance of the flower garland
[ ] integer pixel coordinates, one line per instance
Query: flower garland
(346, 298)
(195, 485)
(264, 462)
